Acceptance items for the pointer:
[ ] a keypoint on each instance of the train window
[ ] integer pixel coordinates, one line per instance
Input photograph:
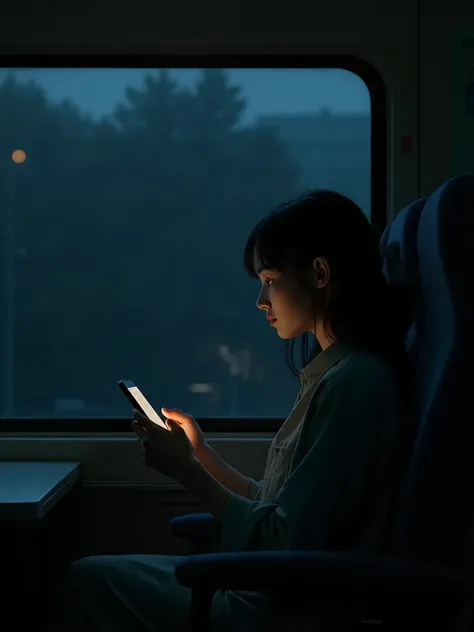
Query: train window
(128, 194)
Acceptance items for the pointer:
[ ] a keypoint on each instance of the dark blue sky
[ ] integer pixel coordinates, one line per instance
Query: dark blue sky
(98, 91)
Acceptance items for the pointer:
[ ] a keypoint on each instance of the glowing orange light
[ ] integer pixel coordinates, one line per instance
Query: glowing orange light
(19, 156)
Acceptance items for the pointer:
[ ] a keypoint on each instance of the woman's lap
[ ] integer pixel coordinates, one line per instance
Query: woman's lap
(139, 593)
(133, 593)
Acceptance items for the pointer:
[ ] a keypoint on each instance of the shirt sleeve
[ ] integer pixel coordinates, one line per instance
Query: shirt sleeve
(341, 443)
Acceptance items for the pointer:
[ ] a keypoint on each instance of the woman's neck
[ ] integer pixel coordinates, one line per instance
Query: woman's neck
(324, 340)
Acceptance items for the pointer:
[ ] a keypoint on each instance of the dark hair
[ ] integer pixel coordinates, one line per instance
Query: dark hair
(362, 310)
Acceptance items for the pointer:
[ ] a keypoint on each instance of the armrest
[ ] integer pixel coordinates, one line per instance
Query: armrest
(201, 526)
(318, 573)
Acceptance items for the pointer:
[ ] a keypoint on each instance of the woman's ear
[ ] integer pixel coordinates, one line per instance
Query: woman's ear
(322, 272)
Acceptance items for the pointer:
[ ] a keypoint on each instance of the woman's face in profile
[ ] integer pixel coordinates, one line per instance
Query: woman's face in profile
(288, 308)
(291, 306)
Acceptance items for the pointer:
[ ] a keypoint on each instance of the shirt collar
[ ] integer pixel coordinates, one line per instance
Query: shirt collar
(323, 361)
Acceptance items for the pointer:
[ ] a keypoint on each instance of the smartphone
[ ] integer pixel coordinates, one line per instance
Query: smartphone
(140, 402)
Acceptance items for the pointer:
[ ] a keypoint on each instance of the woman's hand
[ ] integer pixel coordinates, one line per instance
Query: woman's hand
(190, 427)
(169, 452)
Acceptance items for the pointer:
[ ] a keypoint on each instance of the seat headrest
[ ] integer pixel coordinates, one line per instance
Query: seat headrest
(398, 246)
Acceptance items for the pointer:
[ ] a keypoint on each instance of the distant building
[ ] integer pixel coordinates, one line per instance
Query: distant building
(333, 151)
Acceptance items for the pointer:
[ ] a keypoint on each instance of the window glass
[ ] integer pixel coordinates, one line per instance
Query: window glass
(126, 197)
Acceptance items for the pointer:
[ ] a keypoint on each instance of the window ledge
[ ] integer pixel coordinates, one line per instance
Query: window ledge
(117, 457)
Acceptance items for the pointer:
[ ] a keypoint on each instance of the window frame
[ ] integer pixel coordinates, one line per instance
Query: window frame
(378, 188)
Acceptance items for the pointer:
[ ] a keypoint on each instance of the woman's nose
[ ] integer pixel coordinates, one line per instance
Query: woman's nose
(262, 302)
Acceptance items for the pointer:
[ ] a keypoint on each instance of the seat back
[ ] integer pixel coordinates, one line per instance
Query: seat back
(437, 493)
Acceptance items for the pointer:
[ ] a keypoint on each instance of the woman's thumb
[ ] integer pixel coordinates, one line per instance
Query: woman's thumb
(175, 415)
(175, 427)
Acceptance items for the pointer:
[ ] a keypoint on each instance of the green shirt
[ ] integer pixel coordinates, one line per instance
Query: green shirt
(328, 482)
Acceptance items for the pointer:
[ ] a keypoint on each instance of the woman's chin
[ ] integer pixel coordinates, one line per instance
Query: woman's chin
(285, 335)
(289, 334)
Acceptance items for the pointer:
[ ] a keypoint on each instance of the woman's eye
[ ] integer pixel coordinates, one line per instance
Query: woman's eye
(269, 282)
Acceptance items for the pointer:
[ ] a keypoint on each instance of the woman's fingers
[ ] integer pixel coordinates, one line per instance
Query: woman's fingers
(139, 430)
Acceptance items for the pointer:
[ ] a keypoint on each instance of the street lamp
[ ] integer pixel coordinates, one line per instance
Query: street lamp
(18, 157)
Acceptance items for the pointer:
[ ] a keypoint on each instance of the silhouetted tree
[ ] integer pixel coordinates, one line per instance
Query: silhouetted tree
(132, 231)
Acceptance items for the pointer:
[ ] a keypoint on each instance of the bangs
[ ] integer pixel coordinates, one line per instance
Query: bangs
(285, 237)
(253, 261)
(264, 247)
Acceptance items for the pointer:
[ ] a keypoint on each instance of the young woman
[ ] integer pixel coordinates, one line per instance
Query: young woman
(333, 468)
